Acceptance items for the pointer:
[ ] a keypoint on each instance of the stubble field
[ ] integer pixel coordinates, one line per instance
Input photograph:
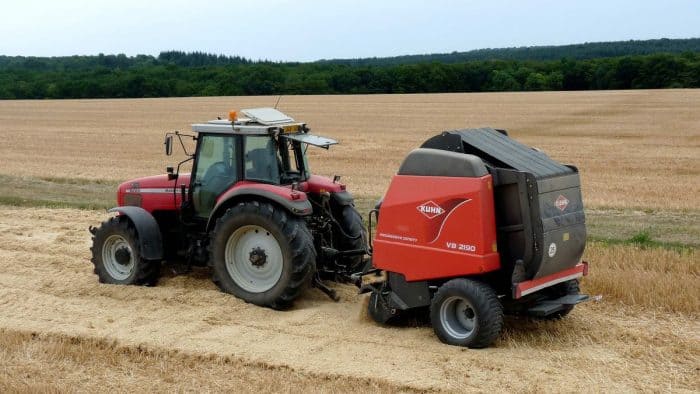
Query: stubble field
(639, 155)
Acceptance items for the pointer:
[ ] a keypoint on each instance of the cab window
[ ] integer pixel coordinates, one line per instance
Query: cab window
(216, 171)
(261, 160)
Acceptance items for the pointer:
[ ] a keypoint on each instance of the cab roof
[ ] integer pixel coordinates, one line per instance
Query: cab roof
(264, 121)
(261, 121)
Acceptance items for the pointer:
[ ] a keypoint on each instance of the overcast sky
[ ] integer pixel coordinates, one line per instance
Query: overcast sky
(306, 30)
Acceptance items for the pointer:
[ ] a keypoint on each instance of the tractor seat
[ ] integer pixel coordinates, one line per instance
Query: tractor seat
(216, 179)
(264, 166)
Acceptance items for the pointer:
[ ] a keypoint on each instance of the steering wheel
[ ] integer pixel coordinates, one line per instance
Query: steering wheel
(216, 169)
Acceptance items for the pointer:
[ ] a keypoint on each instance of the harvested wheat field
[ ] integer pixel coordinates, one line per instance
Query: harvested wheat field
(634, 148)
(60, 330)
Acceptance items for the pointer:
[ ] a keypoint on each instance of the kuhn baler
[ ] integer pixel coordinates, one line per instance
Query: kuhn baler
(475, 225)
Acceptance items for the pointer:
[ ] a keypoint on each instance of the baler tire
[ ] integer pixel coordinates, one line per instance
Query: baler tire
(570, 287)
(351, 224)
(482, 309)
(119, 232)
(296, 249)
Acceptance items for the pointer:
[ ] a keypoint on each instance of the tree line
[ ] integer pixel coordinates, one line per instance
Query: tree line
(199, 59)
(184, 75)
(118, 62)
(589, 50)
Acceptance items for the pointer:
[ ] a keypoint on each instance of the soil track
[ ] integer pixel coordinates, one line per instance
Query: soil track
(47, 288)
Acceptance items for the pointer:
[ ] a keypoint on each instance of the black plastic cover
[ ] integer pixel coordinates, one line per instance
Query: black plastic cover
(499, 150)
(434, 162)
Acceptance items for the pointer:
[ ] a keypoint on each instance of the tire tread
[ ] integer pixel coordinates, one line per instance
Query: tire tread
(300, 245)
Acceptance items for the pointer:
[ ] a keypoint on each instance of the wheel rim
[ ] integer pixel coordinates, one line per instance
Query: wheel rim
(458, 317)
(254, 259)
(118, 257)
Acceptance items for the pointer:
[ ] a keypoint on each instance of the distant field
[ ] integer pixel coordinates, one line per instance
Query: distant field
(634, 148)
(639, 156)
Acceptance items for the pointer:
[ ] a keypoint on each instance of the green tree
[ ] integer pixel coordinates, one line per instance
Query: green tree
(536, 81)
(503, 81)
(555, 80)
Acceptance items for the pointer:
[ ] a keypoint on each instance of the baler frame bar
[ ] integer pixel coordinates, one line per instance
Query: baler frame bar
(531, 286)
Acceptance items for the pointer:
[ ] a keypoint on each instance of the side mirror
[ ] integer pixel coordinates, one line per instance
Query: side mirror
(168, 144)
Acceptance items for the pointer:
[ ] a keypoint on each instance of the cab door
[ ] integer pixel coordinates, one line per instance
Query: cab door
(216, 169)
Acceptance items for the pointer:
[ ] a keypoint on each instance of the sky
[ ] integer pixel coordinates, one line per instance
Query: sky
(306, 30)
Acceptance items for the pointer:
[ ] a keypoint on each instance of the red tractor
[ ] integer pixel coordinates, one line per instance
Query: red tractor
(250, 209)
(474, 225)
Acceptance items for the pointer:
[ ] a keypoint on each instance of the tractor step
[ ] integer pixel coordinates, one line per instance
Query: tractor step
(548, 307)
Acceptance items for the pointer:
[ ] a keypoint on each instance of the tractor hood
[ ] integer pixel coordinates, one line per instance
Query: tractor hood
(152, 192)
(154, 184)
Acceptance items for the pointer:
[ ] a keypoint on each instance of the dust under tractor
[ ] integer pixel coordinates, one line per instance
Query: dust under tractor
(473, 226)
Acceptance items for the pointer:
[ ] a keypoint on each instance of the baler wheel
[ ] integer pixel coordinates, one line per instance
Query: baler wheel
(261, 254)
(466, 313)
(116, 255)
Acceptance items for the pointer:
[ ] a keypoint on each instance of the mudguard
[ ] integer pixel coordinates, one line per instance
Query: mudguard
(343, 198)
(150, 239)
(296, 207)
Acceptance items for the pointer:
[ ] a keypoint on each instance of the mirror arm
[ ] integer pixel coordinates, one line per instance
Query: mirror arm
(181, 163)
(182, 144)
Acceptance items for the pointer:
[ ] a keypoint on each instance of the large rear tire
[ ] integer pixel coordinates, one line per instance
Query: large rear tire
(261, 254)
(466, 313)
(116, 255)
(352, 237)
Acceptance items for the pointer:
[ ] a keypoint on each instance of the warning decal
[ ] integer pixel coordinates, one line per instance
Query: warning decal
(561, 202)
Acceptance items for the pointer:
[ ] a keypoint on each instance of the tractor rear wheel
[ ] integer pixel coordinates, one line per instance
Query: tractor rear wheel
(261, 254)
(116, 255)
(352, 236)
(466, 313)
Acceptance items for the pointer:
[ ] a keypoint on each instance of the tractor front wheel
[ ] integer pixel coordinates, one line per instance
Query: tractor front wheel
(116, 255)
(261, 254)
(466, 313)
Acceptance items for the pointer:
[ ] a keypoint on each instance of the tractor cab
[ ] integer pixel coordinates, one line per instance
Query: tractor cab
(262, 146)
